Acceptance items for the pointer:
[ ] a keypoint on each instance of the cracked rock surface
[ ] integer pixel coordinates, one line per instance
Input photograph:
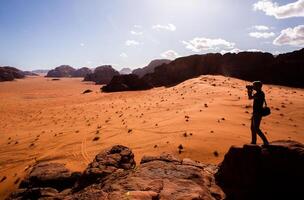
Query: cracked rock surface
(113, 174)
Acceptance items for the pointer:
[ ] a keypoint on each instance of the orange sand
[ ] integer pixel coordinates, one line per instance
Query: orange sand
(61, 123)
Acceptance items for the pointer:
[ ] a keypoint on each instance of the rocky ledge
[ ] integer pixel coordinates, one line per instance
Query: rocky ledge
(248, 172)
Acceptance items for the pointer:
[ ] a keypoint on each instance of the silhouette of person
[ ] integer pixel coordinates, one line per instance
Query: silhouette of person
(258, 101)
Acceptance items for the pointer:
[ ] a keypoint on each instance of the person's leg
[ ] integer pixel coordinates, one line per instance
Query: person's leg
(257, 123)
(253, 131)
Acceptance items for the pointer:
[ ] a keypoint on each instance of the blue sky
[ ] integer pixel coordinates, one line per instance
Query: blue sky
(42, 34)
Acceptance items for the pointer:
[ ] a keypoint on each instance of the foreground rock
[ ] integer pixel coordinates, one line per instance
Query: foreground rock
(53, 175)
(247, 173)
(163, 177)
(272, 172)
(102, 75)
(10, 73)
(61, 71)
(113, 175)
(126, 83)
(106, 163)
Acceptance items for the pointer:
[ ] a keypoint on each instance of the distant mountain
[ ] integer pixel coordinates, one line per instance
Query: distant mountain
(8, 73)
(125, 71)
(140, 72)
(82, 72)
(102, 74)
(29, 73)
(40, 71)
(61, 71)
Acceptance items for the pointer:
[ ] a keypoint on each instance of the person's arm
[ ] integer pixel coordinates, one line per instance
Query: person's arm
(250, 95)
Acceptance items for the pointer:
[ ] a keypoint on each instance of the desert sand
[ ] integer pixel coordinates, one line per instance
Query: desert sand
(45, 120)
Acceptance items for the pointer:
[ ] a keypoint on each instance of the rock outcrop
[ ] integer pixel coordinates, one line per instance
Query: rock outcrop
(113, 174)
(61, 71)
(53, 175)
(102, 74)
(284, 69)
(126, 83)
(124, 71)
(249, 172)
(10, 73)
(269, 172)
(81, 72)
(140, 72)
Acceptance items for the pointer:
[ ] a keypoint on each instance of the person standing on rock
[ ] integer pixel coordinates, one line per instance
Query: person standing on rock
(258, 101)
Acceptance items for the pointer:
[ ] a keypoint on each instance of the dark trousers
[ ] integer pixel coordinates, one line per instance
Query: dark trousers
(255, 129)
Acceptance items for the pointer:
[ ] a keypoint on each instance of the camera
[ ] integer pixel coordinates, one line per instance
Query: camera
(249, 87)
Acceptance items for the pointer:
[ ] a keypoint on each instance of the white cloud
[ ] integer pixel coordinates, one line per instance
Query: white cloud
(137, 26)
(261, 27)
(262, 34)
(291, 36)
(276, 52)
(169, 27)
(254, 50)
(199, 44)
(136, 32)
(295, 9)
(81, 44)
(236, 50)
(123, 55)
(131, 43)
(170, 54)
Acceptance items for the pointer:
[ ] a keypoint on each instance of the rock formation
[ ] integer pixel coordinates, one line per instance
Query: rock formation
(269, 172)
(61, 71)
(124, 71)
(284, 69)
(10, 73)
(82, 72)
(140, 72)
(126, 83)
(113, 175)
(102, 74)
(248, 172)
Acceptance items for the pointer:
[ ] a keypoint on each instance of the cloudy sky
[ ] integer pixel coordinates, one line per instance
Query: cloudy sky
(36, 34)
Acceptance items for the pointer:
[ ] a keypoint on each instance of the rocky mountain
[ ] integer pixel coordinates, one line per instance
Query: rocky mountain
(61, 71)
(125, 71)
(284, 69)
(82, 72)
(249, 172)
(126, 83)
(140, 72)
(8, 73)
(102, 74)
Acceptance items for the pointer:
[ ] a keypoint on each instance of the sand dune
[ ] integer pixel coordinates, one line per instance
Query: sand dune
(45, 120)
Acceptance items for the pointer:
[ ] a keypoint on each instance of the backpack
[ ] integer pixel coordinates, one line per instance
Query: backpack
(265, 110)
